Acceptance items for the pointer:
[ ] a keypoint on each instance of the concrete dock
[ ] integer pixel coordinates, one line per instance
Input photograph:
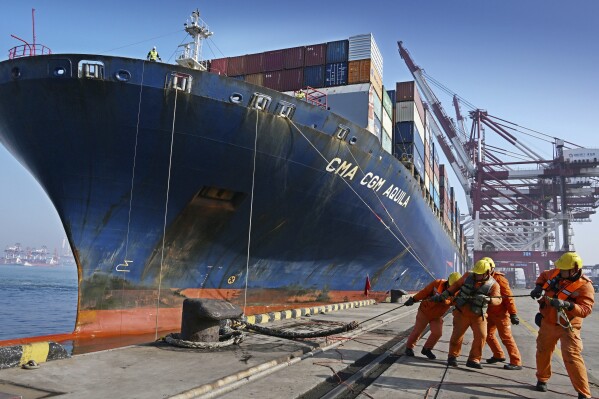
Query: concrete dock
(362, 363)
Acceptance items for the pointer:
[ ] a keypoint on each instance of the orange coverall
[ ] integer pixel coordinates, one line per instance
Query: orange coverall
(465, 317)
(550, 332)
(498, 319)
(429, 313)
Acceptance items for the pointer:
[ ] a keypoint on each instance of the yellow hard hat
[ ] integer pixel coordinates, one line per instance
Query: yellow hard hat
(453, 277)
(491, 262)
(568, 261)
(481, 267)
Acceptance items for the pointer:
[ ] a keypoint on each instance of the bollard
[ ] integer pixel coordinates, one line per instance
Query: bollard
(396, 295)
(201, 318)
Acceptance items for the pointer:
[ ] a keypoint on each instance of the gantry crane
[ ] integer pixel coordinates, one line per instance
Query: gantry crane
(517, 210)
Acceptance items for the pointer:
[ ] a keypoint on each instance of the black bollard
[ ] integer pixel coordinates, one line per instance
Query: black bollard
(201, 318)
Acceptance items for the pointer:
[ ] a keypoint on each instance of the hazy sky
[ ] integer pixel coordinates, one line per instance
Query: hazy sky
(533, 62)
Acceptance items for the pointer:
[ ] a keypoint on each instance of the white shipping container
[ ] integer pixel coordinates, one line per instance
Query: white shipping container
(387, 121)
(378, 105)
(436, 183)
(406, 111)
(353, 102)
(427, 181)
(364, 46)
(581, 155)
(387, 144)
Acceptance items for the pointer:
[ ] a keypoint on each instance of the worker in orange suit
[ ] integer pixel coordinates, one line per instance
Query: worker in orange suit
(430, 313)
(500, 318)
(477, 289)
(569, 298)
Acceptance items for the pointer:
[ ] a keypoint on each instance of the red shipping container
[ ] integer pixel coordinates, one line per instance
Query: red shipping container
(272, 80)
(253, 64)
(293, 57)
(316, 54)
(272, 61)
(236, 66)
(291, 79)
(219, 66)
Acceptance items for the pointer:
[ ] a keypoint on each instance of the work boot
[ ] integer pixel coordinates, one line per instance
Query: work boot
(452, 361)
(541, 386)
(512, 367)
(494, 359)
(581, 396)
(409, 352)
(474, 365)
(428, 353)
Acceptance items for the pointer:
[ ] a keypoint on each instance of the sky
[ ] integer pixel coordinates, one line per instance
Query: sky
(531, 62)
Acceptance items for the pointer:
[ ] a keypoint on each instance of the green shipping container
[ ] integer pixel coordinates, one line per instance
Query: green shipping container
(387, 103)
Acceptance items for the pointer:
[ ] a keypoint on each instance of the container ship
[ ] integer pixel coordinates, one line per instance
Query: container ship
(273, 181)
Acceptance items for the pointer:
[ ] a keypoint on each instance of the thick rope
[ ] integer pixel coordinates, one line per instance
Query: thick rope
(168, 187)
(275, 332)
(236, 338)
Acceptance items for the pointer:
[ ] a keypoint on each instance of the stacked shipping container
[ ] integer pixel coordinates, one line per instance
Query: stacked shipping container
(355, 63)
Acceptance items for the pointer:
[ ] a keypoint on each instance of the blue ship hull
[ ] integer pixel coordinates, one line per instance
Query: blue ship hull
(156, 188)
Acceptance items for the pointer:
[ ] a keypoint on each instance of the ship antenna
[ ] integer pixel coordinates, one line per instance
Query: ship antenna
(190, 54)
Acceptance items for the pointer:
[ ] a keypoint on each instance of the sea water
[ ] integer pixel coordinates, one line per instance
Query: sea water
(37, 300)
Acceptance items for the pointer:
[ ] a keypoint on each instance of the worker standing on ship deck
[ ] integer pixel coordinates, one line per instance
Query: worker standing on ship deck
(153, 55)
(430, 313)
(569, 298)
(500, 318)
(477, 290)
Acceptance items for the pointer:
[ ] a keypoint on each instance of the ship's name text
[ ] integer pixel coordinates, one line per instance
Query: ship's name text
(375, 182)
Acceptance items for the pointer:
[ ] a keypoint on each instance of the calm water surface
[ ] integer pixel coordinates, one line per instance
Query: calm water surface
(37, 300)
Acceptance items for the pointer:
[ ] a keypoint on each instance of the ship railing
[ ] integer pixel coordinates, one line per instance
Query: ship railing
(316, 97)
(28, 50)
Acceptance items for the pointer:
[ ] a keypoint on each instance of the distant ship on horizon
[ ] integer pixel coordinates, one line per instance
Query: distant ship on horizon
(27, 256)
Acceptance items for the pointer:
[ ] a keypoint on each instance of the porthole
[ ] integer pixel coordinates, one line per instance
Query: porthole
(122, 75)
(236, 98)
(15, 73)
(60, 71)
(353, 140)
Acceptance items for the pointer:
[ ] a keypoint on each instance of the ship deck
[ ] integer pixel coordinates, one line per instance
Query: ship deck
(368, 360)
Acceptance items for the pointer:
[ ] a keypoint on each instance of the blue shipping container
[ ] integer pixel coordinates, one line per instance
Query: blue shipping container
(407, 152)
(378, 128)
(407, 132)
(391, 94)
(335, 74)
(314, 76)
(436, 199)
(337, 51)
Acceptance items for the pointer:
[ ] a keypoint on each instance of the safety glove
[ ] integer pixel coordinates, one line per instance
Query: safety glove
(514, 319)
(483, 298)
(441, 298)
(410, 301)
(537, 292)
(559, 303)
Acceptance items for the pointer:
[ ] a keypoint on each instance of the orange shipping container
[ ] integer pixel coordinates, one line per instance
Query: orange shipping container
(358, 71)
(255, 78)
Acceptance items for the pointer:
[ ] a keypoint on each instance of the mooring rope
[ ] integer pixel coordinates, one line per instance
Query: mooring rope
(168, 186)
(126, 261)
(247, 264)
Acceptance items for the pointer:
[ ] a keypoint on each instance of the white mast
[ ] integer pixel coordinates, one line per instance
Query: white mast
(190, 54)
